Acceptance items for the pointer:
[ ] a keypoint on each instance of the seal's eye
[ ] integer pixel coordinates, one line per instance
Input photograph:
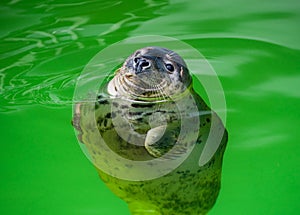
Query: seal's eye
(170, 67)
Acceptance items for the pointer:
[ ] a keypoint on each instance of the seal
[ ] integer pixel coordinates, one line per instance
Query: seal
(150, 110)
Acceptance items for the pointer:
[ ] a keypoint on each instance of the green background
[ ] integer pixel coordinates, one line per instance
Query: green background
(253, 47)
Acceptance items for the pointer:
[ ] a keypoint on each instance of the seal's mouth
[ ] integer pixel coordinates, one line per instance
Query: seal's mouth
(146, 86)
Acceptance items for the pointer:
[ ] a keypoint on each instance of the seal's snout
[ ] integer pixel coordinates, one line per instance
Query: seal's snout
(141, 64)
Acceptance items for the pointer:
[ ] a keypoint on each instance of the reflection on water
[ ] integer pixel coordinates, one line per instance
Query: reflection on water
(286, 86)
(42, 59)
(253, 47)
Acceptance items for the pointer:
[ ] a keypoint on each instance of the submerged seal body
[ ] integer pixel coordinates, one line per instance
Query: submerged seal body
(147, 111)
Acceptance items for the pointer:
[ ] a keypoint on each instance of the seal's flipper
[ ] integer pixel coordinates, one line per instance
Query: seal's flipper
(159, 141)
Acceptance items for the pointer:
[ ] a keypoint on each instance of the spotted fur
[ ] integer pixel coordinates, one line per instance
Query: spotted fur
(188, 189)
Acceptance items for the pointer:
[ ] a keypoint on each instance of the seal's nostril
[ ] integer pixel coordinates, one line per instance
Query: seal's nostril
(136, 59)
(144, 64)
(140, 64)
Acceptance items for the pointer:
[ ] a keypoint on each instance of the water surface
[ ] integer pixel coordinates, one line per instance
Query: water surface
(253, 47)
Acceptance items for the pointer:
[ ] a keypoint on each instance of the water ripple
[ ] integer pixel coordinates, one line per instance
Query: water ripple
(42, 56)
(52, 91)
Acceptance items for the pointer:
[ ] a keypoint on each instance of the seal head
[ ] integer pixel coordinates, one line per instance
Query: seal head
(151, 72)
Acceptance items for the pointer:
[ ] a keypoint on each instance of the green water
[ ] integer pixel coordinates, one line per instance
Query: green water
(253, 46)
